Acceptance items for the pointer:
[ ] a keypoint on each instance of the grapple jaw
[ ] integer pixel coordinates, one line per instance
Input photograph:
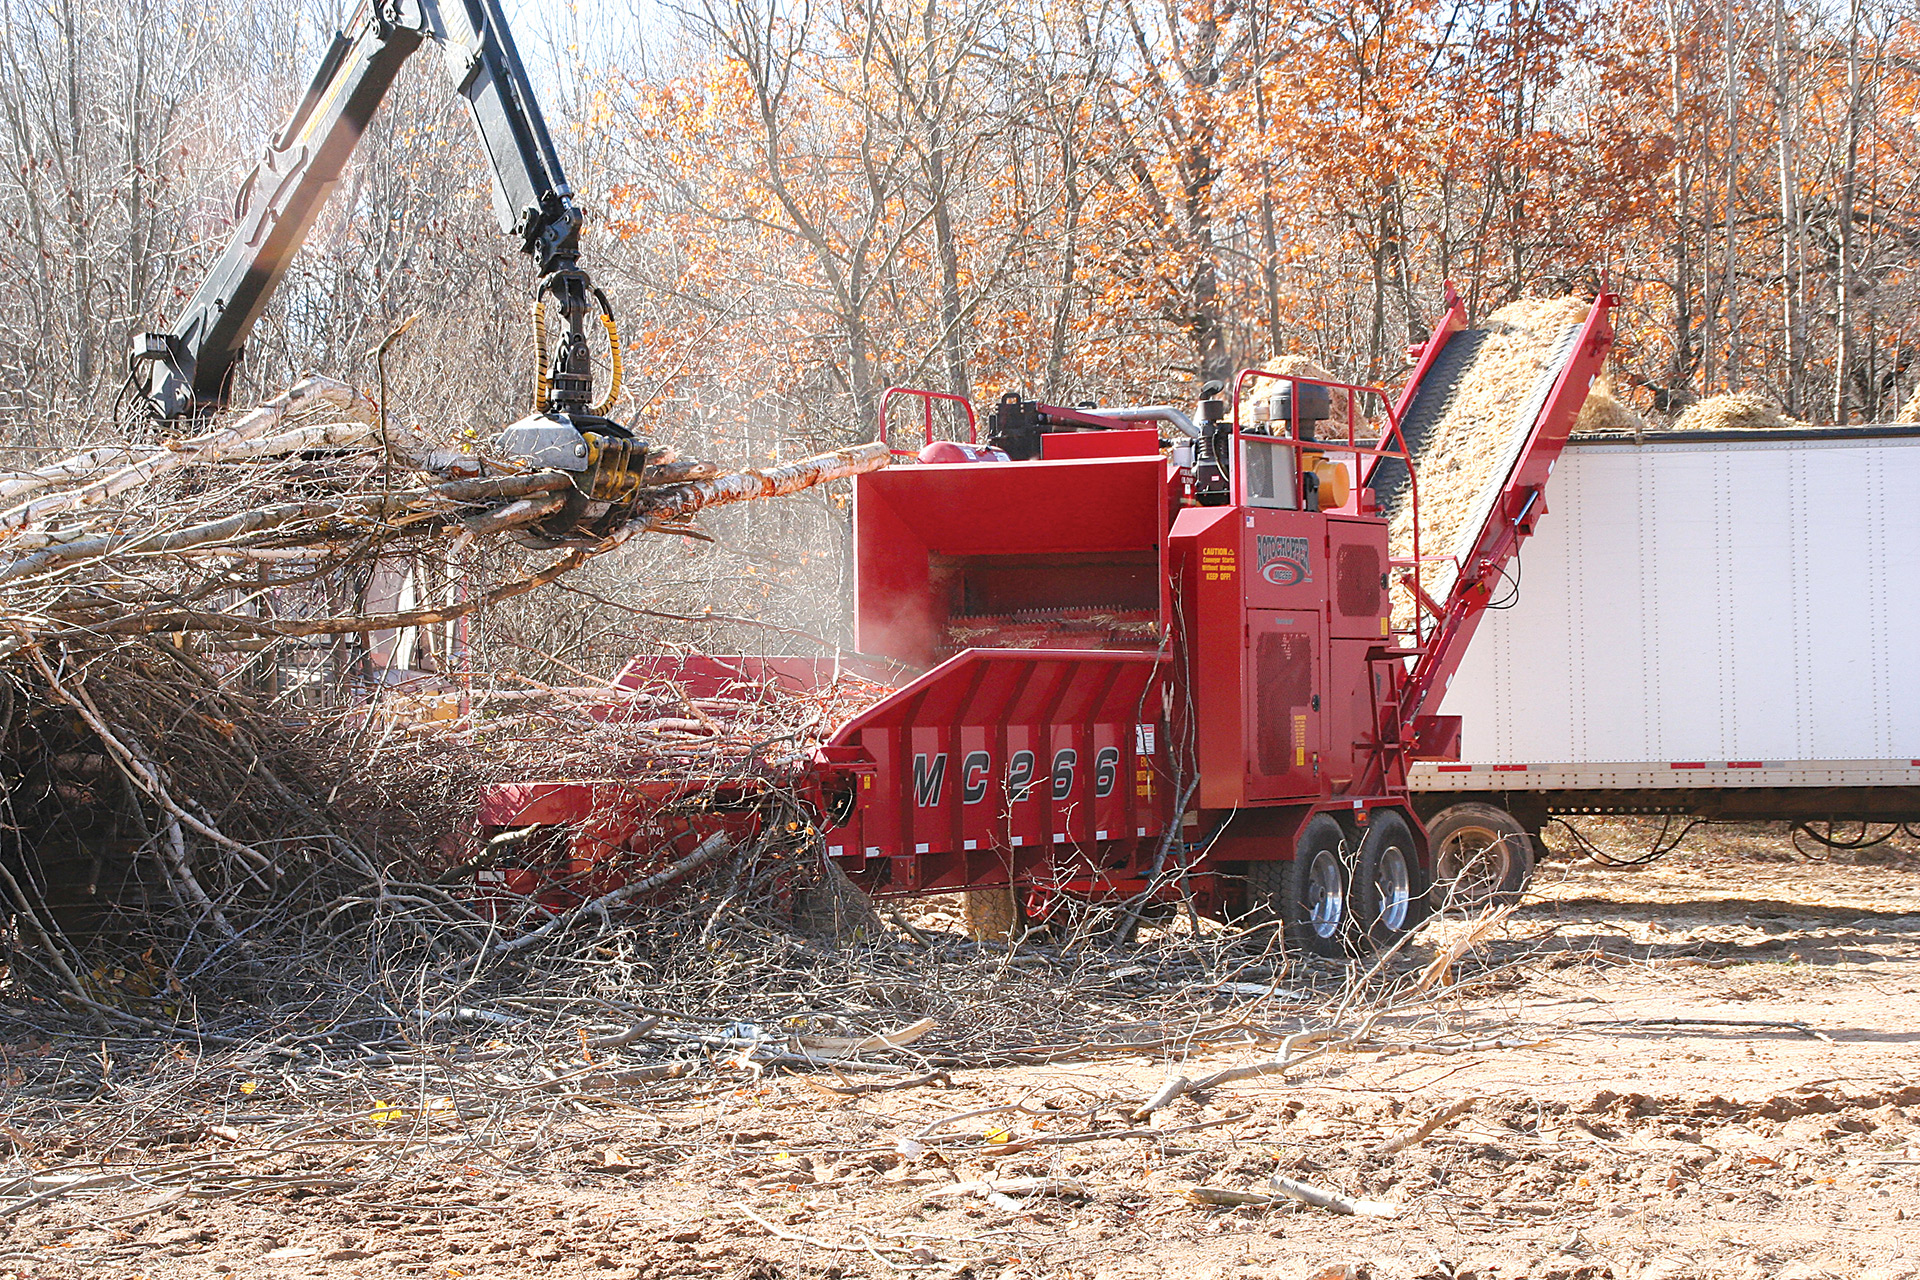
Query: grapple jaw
(607, 463)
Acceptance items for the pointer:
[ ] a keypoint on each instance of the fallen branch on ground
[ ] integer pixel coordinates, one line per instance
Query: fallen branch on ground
(1321, 1198)
(1426, 1128)
(940, 1078)
(1000, 1194)
(712, 847)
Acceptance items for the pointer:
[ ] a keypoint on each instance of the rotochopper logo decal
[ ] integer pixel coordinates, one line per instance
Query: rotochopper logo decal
(1283, 560)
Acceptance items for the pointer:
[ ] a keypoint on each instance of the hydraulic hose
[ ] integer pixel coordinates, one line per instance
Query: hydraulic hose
(614, 371)
(540, 351)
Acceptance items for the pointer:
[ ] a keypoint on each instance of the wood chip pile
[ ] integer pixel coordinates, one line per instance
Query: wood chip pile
(1742, 411)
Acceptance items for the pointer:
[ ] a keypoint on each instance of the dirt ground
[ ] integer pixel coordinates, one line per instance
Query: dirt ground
(1704, 1068)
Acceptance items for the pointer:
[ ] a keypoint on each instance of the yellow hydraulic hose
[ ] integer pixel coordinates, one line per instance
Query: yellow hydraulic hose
(613, 370)
(539, 353)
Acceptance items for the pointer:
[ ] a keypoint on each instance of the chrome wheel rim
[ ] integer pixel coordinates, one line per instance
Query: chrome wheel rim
(1393, 886)
(1327, 894)
(1473, 864)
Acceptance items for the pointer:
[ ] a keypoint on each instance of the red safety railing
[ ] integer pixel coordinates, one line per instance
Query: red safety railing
(1510, 519)
(926, 399)
(1388, 742)
(1382, 448)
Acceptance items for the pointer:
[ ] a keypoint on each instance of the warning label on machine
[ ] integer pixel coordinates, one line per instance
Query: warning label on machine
(1217, 563)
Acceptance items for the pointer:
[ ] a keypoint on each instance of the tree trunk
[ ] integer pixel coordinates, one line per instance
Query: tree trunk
(1791, 254)
(1729, 299)
(1843, 281)
(1685, 350)
(79, 217)
(1069, 250)
(1269, 233)
(952, 321)
(1212, 353)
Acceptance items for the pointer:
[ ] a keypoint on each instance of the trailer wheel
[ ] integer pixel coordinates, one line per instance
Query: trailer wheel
(1310, 894)
(1390, 887)
(1482, 857)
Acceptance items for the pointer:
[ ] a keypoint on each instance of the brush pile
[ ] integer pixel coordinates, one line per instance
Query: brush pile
(752, 732)
(240, 724)
(178, 537)
(638, 726)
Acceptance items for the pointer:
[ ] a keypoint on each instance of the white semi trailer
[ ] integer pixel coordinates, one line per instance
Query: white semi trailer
(1707, 624)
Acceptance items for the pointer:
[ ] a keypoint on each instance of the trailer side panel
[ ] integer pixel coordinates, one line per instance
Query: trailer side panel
(1700, 612)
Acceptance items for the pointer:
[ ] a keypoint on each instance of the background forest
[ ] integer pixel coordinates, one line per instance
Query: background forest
(799, 205)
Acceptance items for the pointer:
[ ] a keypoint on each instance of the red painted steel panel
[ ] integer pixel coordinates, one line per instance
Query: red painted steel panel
(1284, 710)
(1356, 691)
(1130, 442)
(1285, 558)
(936, 544)
(521, 804)
(1205, 546)
(1357, 586)
(999, 747)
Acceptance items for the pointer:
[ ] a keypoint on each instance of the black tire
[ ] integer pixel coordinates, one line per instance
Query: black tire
(1390, 887)
(1309, 895)
(1482, 857)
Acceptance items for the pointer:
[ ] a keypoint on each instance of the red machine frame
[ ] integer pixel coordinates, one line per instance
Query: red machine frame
(1122, 693)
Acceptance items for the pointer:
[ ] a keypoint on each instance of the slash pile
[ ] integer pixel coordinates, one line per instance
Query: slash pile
(215, 652)
(180, 537)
